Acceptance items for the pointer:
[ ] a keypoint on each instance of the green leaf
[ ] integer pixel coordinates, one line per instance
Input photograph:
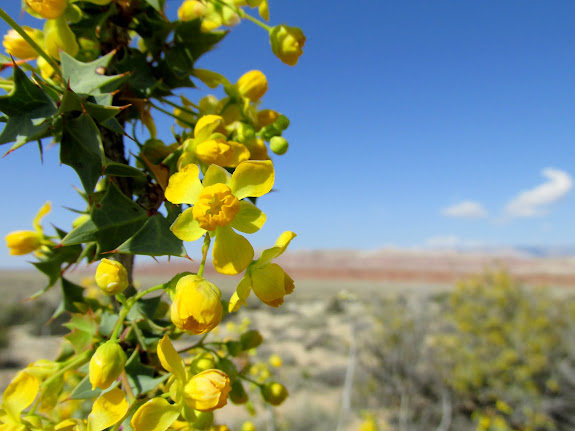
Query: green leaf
(122, 170)
(154, 239)
(141, 377)
(81, 149)
(84, 390)
(85, 232)
(71, 295)
(190, 34)
(73, 102)
(142, 81)
(29, 111)
(156, 4)
(90, 78)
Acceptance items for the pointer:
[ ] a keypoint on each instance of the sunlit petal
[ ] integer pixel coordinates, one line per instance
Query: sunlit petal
(232, 252)
(252, 178)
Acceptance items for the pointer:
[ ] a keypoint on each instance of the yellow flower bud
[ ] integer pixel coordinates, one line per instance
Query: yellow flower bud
(287, 43)
(207, 391)
(59, 36)
(265, 117)
(196, 307)
(23, 242)
(248, 426)
(191, 9)
(274, 393)
(106, 364)
(16, 46)
(252, 85)
(111, 277)
(275, 360)
(49, 9)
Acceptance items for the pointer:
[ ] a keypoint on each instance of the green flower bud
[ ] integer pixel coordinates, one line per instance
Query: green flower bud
(281, 123)
(204, 420)
(279, 145)
(106, 365)
(228, 367)
(274, 393)
(234, 347)
(238, 394)
(287, 43)
(251, 339)
(204, 361)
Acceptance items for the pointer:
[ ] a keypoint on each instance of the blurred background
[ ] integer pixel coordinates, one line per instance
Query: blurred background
(430, 142)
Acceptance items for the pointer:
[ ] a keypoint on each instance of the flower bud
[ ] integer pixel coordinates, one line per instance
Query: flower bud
(287, 43)
(248, 426)
(251, 339)
(204, 421)
(23, 242)
(196, 307)
(204, 361)
(191, 9)
(59, 36)
(265, 117)
(275, 360)
(274, 393)
(279, 145)
(238, 394)
(281, 123)
(16, 46)
(111, 277)
(106, 365)
(207, 390)
(228, 367)
(48, 9)
(252, 85)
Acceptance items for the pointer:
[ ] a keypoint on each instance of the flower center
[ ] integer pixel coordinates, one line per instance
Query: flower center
(216, 206)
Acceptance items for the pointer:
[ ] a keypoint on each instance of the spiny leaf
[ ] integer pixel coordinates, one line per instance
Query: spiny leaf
(89, 78)
(29, 111)
(81, 149)
(154, 239)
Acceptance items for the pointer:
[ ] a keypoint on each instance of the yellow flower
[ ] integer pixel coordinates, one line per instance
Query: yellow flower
(275, 360)
(217, 209)
(268, 280)
(209, 145)
(16, 46)
(191, 9)
(207, 390)
(287, 43)
(24, 241)
(266, 117)
(248, 426)
(19, 394)
(274, 393)
(106, 365)
(49, 9)
(252, 85)
(111, 277)
(196, 307)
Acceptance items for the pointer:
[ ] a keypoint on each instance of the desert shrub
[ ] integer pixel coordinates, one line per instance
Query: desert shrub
(494, 355)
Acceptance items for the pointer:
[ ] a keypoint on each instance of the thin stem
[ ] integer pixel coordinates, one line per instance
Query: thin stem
(241, 376)
(205, 249)
(182, 108)
(73, 363)
(172, 115)
(30, 41)
(200, 343)
(127, 306)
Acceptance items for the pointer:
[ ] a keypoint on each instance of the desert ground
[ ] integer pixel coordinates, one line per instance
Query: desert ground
(317, 332)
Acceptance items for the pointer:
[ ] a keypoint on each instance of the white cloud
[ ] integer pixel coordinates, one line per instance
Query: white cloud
(465, 209)
(534, 202)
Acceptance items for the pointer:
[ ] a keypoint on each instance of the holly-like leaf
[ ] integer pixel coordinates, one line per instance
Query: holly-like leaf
(29, 111)
(156, 4)
(141, 377)
(122, 170)
(72, 294)
(90, 78)
(73, 102)
(81, 149)
(154, 239)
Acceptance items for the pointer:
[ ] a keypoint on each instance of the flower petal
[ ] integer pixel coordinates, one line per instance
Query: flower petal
(184, 186)
(252, 178)
(108, 410)
(155, 415)
(46, 208)
(232, 252)
(279, 247)
(241, 294)
(216, 174)
(271, 284)
(170, 359)
(249, 219)
(20, 393)
(186, 227)
(241, 153)
(205, 126)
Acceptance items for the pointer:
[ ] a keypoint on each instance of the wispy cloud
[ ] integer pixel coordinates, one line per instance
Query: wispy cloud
(534, 202)
(465, 209)
(450, 242)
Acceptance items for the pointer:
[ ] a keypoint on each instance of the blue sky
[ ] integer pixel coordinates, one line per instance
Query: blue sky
(413, 123)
